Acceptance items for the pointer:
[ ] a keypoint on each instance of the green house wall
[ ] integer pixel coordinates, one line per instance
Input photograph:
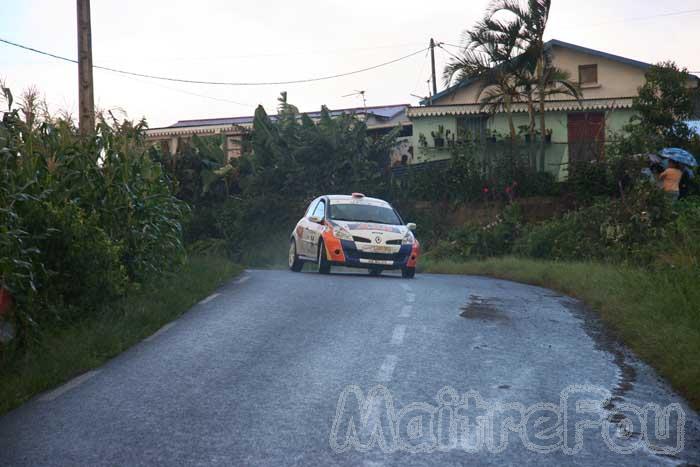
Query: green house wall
(556, 155)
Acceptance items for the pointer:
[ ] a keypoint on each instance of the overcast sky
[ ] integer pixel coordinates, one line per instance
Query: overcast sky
(279, 40)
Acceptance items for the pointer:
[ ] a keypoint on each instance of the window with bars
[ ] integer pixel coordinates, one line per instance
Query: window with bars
(472, 128)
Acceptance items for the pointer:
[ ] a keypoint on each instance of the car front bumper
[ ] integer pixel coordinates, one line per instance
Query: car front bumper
(346, 253)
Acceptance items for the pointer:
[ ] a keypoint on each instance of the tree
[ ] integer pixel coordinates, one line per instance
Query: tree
(510, 56)
(537, 69)
(664, 104)
(533, 21)
(490, 55)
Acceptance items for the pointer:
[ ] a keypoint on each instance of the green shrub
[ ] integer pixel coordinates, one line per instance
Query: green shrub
(80, 217)
(632, 228)
(474, 241)
(83, 265)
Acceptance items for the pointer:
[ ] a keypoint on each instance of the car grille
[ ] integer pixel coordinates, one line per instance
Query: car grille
(361, 239)
(394, 242)
(381, 256)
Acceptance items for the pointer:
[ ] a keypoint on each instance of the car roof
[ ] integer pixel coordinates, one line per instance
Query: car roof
(364, 198)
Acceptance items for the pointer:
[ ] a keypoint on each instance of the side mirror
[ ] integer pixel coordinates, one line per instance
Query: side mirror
(316, 220)
(411, 226)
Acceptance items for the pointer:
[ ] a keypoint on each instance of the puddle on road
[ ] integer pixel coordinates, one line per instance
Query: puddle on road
(483, 309)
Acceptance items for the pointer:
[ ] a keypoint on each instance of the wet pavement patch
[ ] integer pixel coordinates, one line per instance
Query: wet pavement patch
(483, 309)
(606, 341)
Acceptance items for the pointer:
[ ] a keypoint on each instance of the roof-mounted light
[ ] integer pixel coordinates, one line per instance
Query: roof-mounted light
(358, 195)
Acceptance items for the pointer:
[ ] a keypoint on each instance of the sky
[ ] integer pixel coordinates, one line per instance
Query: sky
(281, 40)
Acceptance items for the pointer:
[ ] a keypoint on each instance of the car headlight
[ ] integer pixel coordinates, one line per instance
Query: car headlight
(341, 233)
(408, 239)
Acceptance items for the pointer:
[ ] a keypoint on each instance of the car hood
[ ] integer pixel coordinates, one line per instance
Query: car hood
(373, 231)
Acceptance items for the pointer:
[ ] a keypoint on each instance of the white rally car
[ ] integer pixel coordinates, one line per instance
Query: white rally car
(353, 231)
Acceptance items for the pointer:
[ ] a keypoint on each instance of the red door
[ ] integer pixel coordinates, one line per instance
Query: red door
(586, 136)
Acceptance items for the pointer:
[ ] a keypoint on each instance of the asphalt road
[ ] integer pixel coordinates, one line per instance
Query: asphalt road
(280, 368)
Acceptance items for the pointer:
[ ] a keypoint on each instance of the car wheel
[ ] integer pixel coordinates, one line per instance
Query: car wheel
(324, 267)
(375, 272)
(295, 264)
(408, 273)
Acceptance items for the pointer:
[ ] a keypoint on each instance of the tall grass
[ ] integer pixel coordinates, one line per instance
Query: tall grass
(81, 218)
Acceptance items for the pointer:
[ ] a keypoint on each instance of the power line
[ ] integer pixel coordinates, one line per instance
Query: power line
(161, 58)
(642, 18)
(422, 69)
(216, 83)
(453, 55)
(182, 91)
(620, 20)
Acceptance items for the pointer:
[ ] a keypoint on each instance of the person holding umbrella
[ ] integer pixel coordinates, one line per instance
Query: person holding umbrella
(671, 177)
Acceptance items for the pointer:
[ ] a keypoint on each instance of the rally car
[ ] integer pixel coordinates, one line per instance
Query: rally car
(353, 231)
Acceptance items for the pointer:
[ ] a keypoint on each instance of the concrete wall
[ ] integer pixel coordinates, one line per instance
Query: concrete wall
(615, 79)
(425, 126)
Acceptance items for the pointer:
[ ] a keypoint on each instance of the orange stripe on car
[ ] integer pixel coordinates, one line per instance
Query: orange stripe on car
(415, 252)
(334, 249)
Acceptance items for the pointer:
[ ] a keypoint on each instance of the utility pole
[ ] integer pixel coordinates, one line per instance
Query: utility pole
(432, 62)
(86, 96)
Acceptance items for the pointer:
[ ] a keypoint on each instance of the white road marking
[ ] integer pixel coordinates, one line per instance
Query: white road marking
(387, 369)
(406, 311)
(242, 279)
(411, 297)
(159, 332)
(398, 335)
(74, 383)
(209, 298)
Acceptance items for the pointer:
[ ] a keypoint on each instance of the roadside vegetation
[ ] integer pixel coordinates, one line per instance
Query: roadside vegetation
(104, 239)
(247, 207)
(92, 257)
(66, 351)
(82, 218)
(620, 245)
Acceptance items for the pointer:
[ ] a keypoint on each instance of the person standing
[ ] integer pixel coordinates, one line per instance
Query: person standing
(670, 179)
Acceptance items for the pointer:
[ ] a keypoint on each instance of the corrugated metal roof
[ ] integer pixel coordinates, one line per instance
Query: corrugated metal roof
(383, 112)
(550, 106)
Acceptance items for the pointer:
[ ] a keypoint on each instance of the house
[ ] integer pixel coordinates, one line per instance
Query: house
(379, 120)
(579, 128)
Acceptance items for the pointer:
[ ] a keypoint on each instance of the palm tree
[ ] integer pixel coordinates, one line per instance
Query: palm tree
(510, 58)
(556, 82)
(490, 55)
(536, 58)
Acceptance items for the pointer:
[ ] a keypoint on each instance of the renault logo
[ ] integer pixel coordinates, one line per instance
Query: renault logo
(378, 239)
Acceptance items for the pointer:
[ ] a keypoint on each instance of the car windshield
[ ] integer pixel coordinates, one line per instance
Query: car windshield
(364, 213)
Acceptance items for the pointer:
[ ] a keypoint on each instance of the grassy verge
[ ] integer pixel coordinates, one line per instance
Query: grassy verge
(656, 315)
(67, 352)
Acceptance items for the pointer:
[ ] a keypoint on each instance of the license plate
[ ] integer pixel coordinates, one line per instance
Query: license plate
(376, 261)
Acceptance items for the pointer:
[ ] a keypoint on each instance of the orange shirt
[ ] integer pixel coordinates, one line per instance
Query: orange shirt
(671, 179)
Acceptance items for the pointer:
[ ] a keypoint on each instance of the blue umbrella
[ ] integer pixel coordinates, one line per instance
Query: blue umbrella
(686, 169)
(679, 155)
